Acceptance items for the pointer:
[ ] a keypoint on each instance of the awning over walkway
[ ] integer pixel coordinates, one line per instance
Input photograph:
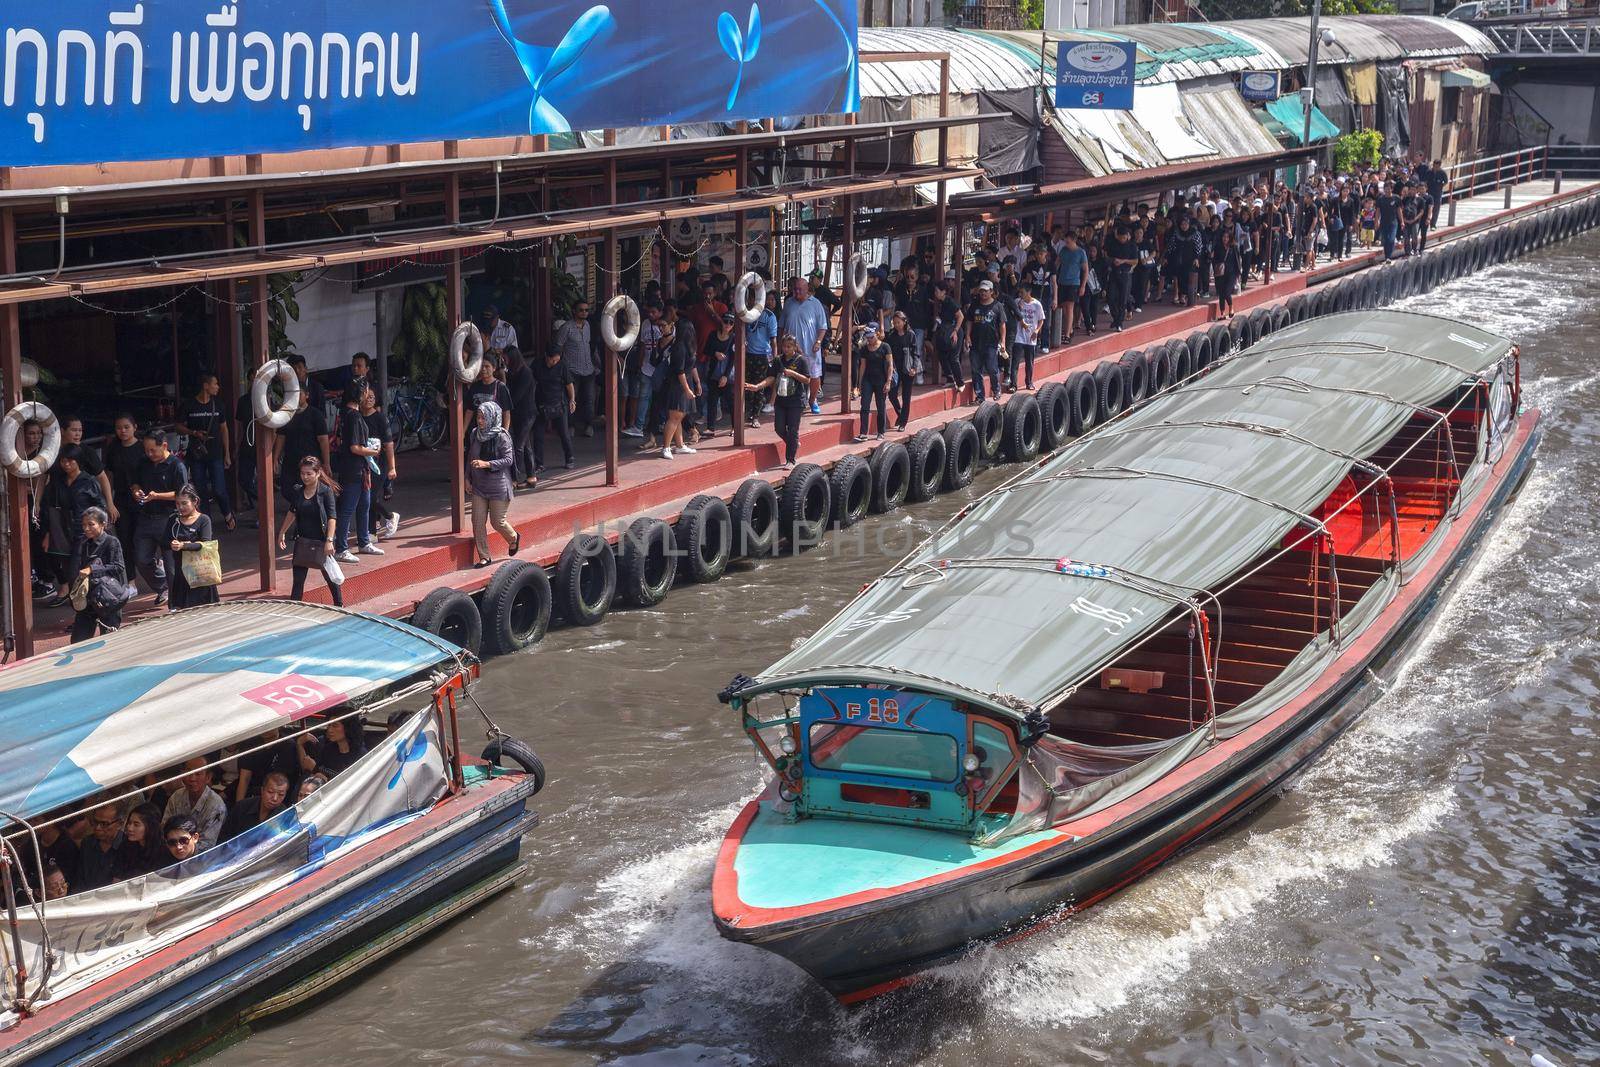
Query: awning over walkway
(1465, 79)
(1290, 114)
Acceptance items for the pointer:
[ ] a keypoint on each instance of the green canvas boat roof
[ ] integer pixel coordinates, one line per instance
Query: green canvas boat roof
(1047, 578)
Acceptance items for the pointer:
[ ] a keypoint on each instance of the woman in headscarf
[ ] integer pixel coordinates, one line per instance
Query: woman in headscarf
(489, 461)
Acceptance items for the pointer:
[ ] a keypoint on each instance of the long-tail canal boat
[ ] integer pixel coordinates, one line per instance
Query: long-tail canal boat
(164, 962)
(1125, 648)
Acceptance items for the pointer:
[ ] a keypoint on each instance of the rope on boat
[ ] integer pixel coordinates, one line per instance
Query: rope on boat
(1368, 348)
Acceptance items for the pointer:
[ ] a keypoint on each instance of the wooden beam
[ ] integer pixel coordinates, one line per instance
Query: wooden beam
(260, 346)
(741, 234)
(610, 369)
(847, 307)
(18, 554)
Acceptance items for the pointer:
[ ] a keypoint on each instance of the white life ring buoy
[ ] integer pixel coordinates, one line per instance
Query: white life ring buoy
(750, 310)
(623, 305)
(855, 276)
(11, 427)
(466, 335)
(261, 397)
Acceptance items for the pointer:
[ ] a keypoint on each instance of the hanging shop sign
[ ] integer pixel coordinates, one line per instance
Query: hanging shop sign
(95, 81)
(1095, 75)
(1261, 85)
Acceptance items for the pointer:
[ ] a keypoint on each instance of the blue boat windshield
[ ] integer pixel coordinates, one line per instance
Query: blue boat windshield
(884, 752)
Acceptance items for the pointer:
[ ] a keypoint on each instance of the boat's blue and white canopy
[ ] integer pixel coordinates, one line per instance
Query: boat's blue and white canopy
(98, 714)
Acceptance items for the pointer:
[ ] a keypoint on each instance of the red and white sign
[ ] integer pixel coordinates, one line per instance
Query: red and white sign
(294, 696)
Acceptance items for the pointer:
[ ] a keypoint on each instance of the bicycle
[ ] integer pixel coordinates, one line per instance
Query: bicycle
(415, 411)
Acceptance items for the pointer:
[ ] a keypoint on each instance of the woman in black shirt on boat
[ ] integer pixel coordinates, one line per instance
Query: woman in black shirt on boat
(343, 741)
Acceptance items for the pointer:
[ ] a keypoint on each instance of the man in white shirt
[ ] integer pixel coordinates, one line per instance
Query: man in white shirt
(805, 320)
(498, 335)
(198, 801)
(1030, 320)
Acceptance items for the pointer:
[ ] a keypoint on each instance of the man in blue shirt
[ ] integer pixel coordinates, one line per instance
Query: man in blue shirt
(1071, 280)
(806, 321)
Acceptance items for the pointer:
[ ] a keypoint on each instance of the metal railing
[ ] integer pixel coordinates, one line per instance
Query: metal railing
(1546, 40)
(1474, 177)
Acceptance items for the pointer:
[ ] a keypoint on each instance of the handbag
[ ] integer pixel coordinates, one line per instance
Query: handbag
(310, 553)
(204, 567)
(1093, 281)
(80, 592)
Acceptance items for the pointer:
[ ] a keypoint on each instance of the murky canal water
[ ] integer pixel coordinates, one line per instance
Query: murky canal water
(1426, 894)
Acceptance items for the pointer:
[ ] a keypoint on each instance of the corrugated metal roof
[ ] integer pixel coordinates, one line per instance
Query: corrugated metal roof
(1424, 36)
(976, 62)
(1218, 114)
(1355, 39)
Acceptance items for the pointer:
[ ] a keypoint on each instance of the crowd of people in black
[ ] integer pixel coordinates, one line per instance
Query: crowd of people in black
(184, 810)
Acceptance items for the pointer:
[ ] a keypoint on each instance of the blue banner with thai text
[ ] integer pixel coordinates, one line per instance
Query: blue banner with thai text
(95, 81)
(1096, 75)
(1260, 85)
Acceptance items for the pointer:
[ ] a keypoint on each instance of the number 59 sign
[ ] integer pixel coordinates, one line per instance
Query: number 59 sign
(294, 696)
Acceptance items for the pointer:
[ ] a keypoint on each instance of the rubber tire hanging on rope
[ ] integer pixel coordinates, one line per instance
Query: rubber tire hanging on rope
(856, 276)
(747, 311)
(1221, 342)
(516, 607)
(803, 506)
(891, 476)
(705, 537)
(261, 396)
(517, 752)
(986, 420)
(1156, 378)
(621, 304)
(1024, 426)
(451, 615)
(1280, 318)
(465, 337)
(926, 452)
(1297, 307)
(1083, 398)
(755, 519)
(11, 432)
(1182, 361)
(1199, 346)
(586, 580)
(1135, 377)
(850, 491)
(1108, 394)
(647, 562)
(1055, 415)
(960, 454)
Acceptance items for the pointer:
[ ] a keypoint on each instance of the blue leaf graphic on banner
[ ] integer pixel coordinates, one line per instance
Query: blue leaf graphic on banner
(852, 87)
(542, 66)
(741, 46)
(408, 753)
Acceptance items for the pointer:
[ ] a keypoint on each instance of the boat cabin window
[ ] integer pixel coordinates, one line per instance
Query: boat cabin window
(890, 753)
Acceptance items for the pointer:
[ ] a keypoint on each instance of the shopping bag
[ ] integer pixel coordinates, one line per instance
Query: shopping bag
(203, 568)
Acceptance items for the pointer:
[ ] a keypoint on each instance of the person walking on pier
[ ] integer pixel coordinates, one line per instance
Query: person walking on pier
(354, 473)
(208, 457)
(1227, 268)
(489, 478)
(1071, 279)
(805, 320)
(947, 331)
(313, 516)
(1388, 203)
(575, 339)
(1123, 254)
(555, 399)
(986, 336)
(1030, 325)
(161, 475)
(788, 377)
(1438, 178)
(100, 562)
(907, 349)
(874, 362)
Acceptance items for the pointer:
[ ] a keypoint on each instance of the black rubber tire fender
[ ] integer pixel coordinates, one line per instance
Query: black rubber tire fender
(1280, 318)
(1157, 381)
(1055, 414)
(1083, 396)
(804, 503)
(1239, 330)
(1221, 342)
(1296, 306)
(986, 420)
(1024, 426)
(647, 562)
(451, 615)
(1108, 392)
(926, 450)
(1257, 325)
(585, 580)
(521, 754)
(849, 491)
(1180, 361)
(755, 519)
(960, 454)
(1199, 346)
(516, 607)
(891, 476)
(1135, 377)
(705, 537)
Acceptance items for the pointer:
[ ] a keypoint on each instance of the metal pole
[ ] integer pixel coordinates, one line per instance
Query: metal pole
(847, 307)
(941, 217)
(260, 345)
(741, 233)
(453, 311)
(18, 563)
(1311, 81)
(608, 376)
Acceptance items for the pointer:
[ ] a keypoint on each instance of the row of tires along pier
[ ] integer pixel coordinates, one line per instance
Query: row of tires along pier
(650, 555)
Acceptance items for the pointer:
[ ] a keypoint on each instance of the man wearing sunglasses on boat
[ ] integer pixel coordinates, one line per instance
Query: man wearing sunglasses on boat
(182, 837)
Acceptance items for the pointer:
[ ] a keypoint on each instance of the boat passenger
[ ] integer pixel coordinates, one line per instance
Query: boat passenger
(257, 809)
(55, 882)
(182, 837)
(310, 784)
(100, 858)
(142, 850)
(199, 800)
(342, 743)
(254, 767)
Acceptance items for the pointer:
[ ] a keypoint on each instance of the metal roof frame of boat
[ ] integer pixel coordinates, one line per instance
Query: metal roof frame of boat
(95, 715)
(1015, 639)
